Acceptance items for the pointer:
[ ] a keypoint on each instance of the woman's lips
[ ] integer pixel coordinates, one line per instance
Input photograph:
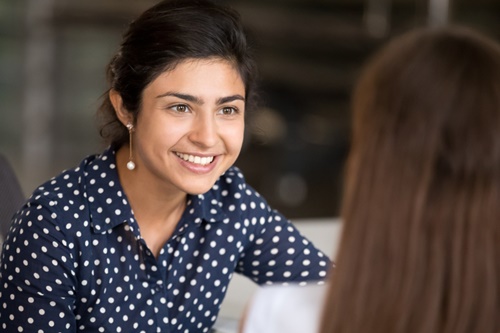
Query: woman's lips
(197, 164)
(201, 160)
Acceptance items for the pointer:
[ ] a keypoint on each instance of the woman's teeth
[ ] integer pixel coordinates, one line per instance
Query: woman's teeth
(196, 159)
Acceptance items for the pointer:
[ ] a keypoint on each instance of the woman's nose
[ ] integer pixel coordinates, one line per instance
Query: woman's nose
(204, 131)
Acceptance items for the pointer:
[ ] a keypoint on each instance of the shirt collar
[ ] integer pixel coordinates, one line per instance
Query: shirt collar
(207, 207)
(108, 203)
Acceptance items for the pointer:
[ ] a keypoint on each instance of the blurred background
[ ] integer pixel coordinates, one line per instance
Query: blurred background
(53, 55)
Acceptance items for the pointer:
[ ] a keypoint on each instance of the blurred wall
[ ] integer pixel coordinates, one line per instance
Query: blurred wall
(53, 55)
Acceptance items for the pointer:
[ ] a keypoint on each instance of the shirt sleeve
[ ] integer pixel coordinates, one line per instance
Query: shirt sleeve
(280, 253)
(37, 278)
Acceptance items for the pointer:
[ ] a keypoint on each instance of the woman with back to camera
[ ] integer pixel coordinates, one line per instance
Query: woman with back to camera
(421, 208)
(146, 236)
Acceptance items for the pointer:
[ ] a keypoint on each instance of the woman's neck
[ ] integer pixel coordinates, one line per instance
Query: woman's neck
(157, 208)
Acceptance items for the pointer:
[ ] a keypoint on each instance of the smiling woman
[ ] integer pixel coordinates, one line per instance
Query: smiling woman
(146, 236)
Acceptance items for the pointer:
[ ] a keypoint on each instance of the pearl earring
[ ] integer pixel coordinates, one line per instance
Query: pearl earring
(130, 163)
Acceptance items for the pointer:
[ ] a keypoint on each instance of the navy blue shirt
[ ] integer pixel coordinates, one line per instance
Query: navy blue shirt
(74, 259)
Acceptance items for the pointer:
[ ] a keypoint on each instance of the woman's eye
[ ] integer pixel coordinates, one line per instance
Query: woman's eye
(228, 111)
(180, 108)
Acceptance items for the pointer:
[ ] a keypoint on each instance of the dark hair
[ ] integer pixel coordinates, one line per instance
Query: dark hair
(420, 246)
(162, 37)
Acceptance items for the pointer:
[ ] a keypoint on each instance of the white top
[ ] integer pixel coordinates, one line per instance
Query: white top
(290, 309)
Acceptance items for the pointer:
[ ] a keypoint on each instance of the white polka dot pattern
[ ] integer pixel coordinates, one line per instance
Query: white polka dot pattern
(74, 260)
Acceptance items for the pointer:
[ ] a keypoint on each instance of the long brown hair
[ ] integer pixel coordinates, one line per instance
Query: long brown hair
(420, 250)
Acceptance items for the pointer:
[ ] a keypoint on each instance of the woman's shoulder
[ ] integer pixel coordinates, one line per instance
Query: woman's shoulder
(67, 192)
(64, 202)
(64, 186)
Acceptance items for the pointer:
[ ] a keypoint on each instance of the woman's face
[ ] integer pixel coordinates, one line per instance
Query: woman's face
(190, 126)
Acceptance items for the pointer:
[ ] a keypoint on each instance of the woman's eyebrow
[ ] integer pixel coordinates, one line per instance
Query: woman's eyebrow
(231, 98)
(186, 97)
(197, 100)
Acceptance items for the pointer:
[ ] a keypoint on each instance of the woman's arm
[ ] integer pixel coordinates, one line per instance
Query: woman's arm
(280, 253)
(37, 277)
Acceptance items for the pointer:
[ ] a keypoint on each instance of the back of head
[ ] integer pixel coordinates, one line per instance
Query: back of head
(165, 35)
(420, 247)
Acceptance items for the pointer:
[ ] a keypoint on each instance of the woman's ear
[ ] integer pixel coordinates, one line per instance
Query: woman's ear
(122, 114)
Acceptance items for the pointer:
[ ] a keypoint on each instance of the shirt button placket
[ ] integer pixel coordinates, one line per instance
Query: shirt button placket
(158, 292)
(159, 286)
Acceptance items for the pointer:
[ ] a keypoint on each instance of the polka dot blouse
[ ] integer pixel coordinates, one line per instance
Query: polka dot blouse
(74, 259)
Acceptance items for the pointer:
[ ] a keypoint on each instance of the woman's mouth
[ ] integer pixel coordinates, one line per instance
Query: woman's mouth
(196, 159)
